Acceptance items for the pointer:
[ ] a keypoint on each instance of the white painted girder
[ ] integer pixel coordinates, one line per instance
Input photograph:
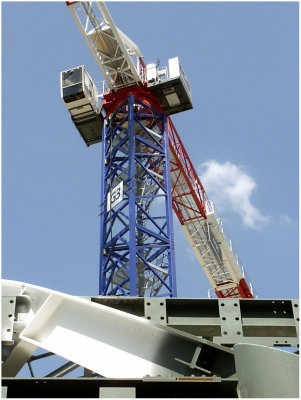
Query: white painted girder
(112, 50)
(223, 274)
(107, 341)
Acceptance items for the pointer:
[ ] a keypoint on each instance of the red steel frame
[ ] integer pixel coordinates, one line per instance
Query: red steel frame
(181, 162)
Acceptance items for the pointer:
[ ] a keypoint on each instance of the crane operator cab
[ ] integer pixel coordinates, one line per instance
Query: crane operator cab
(170, 85)
(80, 95)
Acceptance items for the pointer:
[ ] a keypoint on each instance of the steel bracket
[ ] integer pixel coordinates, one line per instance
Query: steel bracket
(230, 317)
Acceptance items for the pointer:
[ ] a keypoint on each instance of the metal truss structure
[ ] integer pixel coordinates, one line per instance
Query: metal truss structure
(198, 215)
(163, 346)
(118, 58)
(137, 250)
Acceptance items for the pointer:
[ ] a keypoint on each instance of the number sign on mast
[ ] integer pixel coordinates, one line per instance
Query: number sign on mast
(115, 196)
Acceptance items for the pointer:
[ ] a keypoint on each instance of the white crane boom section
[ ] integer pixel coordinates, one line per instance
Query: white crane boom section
(117, 56)
(203, 227)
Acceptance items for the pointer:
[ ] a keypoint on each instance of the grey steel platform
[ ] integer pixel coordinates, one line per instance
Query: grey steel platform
(223, 321)
(239, 330)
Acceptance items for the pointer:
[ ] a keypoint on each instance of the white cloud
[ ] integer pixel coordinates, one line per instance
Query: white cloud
(231, 188)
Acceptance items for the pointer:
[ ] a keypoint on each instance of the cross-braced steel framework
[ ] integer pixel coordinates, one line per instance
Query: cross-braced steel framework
(134, 256)
(137, 250)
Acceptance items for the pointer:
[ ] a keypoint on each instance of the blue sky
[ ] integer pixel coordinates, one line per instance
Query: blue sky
(242, 136)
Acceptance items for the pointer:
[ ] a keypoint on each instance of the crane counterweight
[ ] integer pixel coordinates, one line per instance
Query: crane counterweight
(80, 96)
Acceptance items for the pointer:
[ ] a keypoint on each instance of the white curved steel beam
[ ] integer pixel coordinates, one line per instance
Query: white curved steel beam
(102, 339)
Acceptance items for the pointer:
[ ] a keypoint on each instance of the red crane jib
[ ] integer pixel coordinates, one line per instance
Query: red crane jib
(240, 291)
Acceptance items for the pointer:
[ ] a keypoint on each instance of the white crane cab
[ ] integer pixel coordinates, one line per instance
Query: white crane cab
(80, 96)
(170, 85)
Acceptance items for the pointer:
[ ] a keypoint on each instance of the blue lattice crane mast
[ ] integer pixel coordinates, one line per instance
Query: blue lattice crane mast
(146, 171)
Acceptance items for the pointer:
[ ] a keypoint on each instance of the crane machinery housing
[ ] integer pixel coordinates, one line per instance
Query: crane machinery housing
(143, 263)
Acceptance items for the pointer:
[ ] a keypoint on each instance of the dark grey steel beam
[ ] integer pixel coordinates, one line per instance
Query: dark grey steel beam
(267, 322)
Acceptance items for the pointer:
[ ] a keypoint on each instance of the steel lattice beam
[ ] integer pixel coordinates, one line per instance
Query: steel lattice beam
(137, 251)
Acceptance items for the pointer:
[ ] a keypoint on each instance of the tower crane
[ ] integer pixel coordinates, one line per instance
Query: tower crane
(135, 347)
(145, 162)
